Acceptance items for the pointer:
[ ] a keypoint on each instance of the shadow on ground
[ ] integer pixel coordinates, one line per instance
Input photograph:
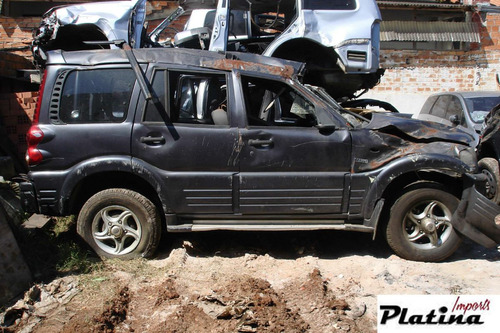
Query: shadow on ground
(296, 244)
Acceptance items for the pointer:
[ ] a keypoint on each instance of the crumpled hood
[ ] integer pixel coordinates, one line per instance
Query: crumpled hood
(418, 130)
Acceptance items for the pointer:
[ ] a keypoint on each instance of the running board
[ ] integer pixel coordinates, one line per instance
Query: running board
(262, 226)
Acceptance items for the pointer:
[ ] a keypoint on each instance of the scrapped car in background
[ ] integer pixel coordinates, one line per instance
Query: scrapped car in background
(337, 40)
(71, 27)
(465, 110)
(192, 140)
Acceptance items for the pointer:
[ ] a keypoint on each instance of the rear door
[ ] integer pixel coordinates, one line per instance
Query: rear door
(287, 165)
(177, 137)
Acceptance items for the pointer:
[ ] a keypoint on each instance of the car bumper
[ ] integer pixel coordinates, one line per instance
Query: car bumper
(477, 217)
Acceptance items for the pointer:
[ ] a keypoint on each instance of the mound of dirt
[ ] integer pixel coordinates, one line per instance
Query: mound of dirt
(212, 285)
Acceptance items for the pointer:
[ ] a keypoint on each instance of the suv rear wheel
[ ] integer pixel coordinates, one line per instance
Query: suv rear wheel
(120, 223)
(420, 227)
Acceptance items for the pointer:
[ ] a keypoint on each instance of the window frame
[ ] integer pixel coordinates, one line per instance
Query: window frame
(275, 124)
(61, 82)
(179, 71)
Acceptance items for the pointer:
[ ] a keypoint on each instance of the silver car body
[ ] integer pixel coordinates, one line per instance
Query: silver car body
(114, 20)
(338, 40)
(353, 34)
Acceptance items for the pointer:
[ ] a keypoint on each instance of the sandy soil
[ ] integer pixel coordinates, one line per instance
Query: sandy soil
(248, 282)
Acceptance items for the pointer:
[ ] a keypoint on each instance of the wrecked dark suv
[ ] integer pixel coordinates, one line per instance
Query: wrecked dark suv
(135, 142)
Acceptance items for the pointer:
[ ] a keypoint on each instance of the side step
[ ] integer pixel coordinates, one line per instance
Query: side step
(263, 225)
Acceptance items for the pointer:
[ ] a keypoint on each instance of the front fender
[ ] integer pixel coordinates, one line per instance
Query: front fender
(412, 163)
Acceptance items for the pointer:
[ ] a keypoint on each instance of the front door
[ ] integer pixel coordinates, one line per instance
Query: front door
(287, 165)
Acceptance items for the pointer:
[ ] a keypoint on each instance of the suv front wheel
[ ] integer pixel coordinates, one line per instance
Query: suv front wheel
(420, 227)
(120, 223)
(489, 167)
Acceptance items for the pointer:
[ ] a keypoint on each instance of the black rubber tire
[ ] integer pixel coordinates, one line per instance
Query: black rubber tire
(489, 167)
(139, 215)
(399, 228)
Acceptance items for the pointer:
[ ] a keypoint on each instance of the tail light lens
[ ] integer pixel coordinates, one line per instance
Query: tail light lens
(34, 137)
(35, 134)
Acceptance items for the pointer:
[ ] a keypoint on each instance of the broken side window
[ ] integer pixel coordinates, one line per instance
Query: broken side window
(187, 98)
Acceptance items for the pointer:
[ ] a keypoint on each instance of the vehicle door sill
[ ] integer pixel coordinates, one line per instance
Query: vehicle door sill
(262, 225)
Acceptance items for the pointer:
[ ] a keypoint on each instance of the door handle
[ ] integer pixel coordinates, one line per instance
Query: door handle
(153, 140)
(261, 143)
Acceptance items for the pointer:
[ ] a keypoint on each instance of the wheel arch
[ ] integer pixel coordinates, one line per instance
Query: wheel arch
(97, 182)
(487, 149)
(397, 176)
(303, 50)
(94, 176)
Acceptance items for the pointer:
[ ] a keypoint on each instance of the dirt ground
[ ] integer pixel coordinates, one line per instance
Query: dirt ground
(248, 282)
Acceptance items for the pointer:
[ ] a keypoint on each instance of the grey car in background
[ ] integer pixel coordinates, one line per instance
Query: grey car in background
(464, 110)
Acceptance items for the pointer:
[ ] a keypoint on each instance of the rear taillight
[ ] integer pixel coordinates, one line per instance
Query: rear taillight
(35, 134)
(34, 137)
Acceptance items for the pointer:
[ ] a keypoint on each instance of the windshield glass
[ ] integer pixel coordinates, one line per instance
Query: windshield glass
(479, 107)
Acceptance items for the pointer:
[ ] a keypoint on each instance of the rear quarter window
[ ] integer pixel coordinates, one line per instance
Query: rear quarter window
(330, 4)
(94, 96)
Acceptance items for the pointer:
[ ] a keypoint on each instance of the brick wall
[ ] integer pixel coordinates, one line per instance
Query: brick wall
(16, 114)
(411, 76)
(15, 39)
(16, 108)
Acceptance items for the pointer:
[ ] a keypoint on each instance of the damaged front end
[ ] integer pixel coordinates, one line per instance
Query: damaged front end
(387, 138)
(432, 147)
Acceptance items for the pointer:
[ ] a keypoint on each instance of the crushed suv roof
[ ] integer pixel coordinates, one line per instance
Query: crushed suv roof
(188, 57)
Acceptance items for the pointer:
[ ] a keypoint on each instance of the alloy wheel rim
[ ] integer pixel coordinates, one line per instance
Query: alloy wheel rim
(116, 230)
